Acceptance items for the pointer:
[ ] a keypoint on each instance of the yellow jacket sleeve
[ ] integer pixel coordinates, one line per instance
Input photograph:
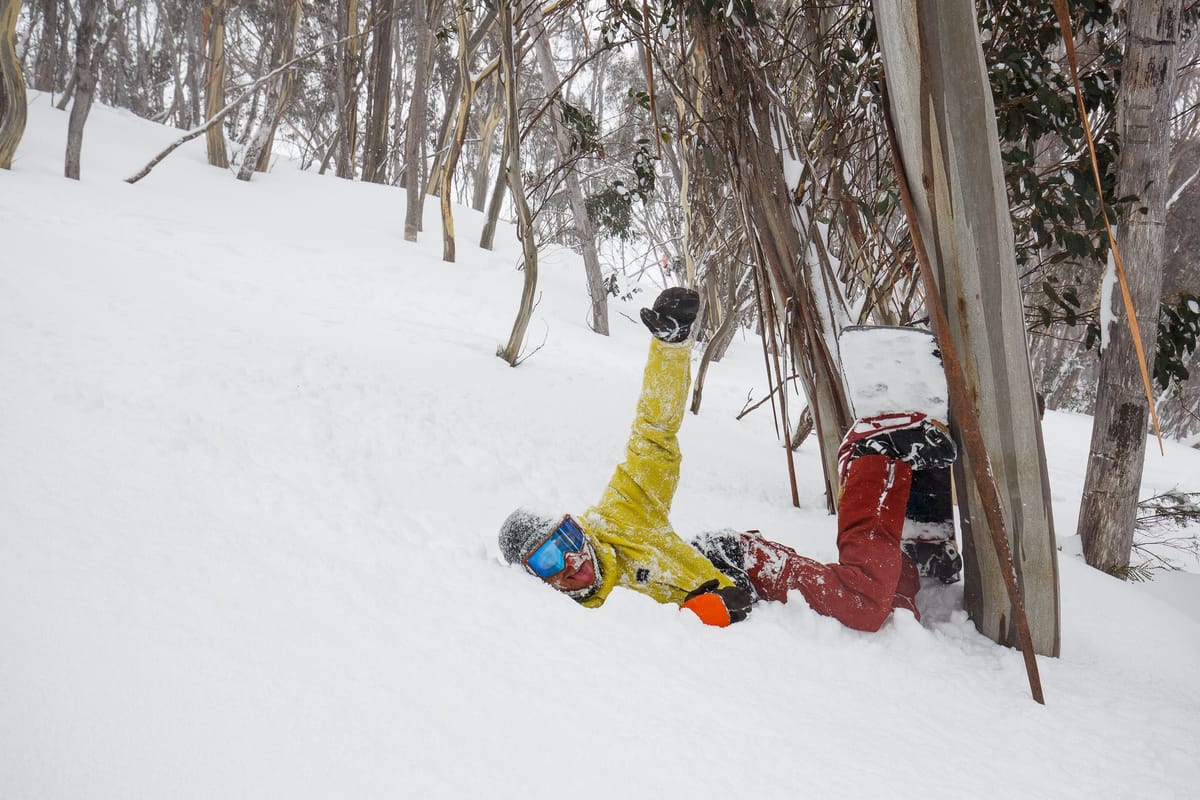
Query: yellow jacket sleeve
(630, 526)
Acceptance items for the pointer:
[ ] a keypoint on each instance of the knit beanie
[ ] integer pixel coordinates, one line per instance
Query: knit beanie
(522, 532)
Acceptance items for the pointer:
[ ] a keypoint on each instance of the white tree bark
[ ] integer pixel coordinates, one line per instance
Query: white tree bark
(945, 123)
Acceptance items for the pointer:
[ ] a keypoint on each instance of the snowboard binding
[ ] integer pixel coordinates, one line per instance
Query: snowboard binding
(934, 559)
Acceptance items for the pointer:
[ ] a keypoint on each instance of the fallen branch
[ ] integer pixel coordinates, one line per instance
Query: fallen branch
(746, 409)
(216, 119)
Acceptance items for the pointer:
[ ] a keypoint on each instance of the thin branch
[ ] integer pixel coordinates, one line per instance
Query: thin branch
(248, 92)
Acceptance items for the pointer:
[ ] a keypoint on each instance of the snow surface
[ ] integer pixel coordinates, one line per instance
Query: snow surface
(255, 449)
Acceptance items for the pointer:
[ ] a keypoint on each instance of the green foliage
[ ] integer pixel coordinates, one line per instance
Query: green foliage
(1178, 329)
(667, 16)
(643, 170)
(585, 133)
(611, 208)
(1060, 304)
(640, 98)
(743, 11)
(612, 288)
(1048, 172)
(1136, 573)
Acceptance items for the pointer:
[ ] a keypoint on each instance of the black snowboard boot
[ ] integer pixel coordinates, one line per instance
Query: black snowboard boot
(724, 549)
(913, 438)
(934, 559)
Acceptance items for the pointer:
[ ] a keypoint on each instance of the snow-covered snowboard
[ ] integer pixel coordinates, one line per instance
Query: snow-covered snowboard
(900, 369)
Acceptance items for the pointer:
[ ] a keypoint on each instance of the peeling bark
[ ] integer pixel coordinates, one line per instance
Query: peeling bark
(945, 124)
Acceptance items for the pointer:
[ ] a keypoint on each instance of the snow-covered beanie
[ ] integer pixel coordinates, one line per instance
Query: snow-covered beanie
(522, 532)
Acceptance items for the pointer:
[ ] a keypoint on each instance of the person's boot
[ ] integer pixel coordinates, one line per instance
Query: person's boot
(934, 559)
(929, 526)
(919, 441)
(728, 554)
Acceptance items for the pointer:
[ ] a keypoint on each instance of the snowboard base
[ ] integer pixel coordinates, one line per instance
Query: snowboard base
(890, 369)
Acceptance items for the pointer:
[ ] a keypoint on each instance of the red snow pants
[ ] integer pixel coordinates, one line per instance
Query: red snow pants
(872, 575)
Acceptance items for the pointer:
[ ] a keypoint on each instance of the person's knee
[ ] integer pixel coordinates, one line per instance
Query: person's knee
(870, 620)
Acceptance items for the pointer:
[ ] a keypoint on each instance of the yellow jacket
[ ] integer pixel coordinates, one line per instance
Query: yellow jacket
(629, 528)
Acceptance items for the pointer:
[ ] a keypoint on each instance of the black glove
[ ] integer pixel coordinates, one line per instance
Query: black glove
(673, 313)
(736, 600)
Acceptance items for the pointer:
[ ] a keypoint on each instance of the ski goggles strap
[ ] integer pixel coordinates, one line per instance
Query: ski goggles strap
(550, 556)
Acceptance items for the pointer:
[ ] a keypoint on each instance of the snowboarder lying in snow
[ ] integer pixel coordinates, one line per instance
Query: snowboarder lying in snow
(626, 539)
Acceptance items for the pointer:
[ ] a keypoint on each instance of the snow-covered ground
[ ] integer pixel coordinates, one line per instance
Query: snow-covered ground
(254, 450)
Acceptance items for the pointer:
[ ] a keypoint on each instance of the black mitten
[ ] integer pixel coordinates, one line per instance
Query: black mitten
(673, 313)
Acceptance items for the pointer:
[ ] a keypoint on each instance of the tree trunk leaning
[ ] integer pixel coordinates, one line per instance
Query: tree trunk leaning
(512, 140)
(484, 154)
(445, 129)
(790, 284)
(1108, 512)
(487, 236)
(12, 85)
(945, 126)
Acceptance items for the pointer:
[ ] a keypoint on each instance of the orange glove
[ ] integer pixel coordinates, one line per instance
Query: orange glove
(719, 607)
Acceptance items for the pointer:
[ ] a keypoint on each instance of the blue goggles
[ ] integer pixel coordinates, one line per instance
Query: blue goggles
(550, 557)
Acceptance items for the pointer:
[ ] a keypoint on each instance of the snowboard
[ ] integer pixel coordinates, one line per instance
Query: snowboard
(891, 369)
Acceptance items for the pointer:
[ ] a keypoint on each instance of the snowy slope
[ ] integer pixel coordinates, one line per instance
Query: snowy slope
(254, 449)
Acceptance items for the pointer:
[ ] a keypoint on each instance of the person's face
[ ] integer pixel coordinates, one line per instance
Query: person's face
(578, 572)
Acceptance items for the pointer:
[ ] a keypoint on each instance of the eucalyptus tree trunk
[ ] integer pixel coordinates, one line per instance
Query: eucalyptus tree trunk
(46, 61)
(413, 160)
(348, 58)
(258, 149)
(447, 131)
(379, 92)
(12, 85)
(512, 148)
(800, 298)
(214, 82)
(562, 140)
(1114, 475)
(487, 236)
(290, 15)
(945, 124)
(193, 22)
(85, 84)
(484, 153)
(462, 116)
